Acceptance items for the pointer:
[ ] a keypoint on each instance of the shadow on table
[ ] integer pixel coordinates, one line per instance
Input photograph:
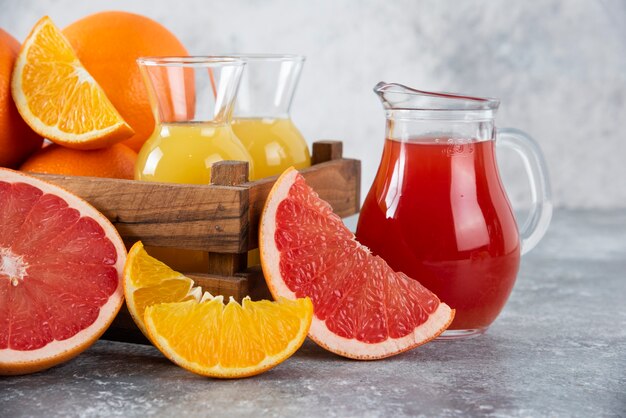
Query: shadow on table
(483, 347)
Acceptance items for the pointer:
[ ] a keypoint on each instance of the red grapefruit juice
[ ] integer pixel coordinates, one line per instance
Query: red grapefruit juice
(437, 211)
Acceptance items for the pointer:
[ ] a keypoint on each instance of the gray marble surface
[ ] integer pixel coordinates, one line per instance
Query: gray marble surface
(558, 349)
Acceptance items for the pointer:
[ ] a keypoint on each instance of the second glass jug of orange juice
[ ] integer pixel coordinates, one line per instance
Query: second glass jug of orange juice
(192, 100)
(262, 120)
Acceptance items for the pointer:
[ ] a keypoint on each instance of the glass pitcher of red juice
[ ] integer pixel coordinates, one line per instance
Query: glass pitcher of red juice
(437, 209)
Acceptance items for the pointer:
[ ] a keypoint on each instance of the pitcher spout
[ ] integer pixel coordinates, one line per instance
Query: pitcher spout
(396, 96)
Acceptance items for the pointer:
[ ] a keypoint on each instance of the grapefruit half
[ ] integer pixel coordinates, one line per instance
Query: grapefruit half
(61, 264)
(362, 308)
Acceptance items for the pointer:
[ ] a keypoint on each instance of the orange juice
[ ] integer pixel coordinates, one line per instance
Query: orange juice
(274, 144)
(192, 101)
(184, 152)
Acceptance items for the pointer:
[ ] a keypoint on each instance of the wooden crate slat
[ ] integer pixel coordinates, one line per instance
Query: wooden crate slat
(199, 217)
(326, 150)
(167, 215)
(227, 286)
(229, 173)
(256, 287)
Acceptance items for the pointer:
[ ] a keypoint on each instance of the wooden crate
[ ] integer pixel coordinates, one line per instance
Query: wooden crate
(220, 219)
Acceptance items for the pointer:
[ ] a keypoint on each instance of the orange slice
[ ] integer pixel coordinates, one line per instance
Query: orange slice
(148, 281)
(363, 309)
(204, 336)
(229, 341)
(58, 98)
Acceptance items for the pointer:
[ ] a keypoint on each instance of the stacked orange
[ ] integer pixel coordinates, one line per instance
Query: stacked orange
(82, 90)
(17, 140)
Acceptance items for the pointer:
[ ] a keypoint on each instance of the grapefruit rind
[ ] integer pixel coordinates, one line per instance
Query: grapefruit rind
(437, 322)
(21, 362)
(270, 255)
(351, 348)
(96, 138)
(225, 372)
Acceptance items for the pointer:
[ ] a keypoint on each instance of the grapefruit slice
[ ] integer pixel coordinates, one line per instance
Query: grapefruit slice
(60, 274)
(362, 308)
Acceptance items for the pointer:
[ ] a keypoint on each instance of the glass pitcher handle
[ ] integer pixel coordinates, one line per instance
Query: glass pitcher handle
(536, 224)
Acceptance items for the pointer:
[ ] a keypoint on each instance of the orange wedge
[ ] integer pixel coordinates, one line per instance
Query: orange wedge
(204, 336)
(58, 98)
(148, 281)
(229, 341)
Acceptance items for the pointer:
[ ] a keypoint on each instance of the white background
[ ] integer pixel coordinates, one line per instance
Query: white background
(558, 66)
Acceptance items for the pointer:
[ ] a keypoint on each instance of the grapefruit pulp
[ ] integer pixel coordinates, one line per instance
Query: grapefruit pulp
(362, 308)
(60, 274)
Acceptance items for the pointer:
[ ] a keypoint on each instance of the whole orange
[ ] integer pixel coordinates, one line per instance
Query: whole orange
(117, 161)
(17, 140)
(108, 44)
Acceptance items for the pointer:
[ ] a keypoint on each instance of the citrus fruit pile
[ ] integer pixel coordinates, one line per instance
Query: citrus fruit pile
(81, 89)
(324, 282)
(64, 270)
(61, 266)
(17, 140)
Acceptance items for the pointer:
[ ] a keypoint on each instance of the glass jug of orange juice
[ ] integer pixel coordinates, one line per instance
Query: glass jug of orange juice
(262, 118)
(192, 100)
(437, 210)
